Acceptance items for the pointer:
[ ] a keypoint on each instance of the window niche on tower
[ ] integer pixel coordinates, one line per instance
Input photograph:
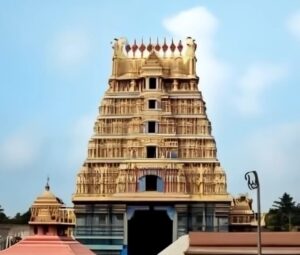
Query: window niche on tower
(151, 151)
(151, 183)
(152, 83)
(151, 127)
(152, 104)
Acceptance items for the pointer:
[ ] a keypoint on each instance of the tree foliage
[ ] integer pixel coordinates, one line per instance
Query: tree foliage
(285, 204)
(21, 218)
(284, 214)
(3, 217)
(18, 219)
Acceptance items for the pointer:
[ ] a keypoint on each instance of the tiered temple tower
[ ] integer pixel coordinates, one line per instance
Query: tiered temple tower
(152, 173)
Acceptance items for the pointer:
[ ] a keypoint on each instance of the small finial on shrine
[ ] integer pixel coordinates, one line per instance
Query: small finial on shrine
(157, 46)
(149, 47)
(47, 187)
(127, 48)
(180, 47)
(142, 47)
(172, 46)
(134, 47)
(165, 46)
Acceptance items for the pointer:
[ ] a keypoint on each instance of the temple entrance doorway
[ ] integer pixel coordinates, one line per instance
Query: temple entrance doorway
(149, 232)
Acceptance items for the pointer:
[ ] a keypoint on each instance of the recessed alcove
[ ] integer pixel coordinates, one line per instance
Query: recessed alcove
(151, 151)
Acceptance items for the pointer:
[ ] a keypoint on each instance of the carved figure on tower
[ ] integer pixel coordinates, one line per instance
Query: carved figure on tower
(118, 47)
(191, 48)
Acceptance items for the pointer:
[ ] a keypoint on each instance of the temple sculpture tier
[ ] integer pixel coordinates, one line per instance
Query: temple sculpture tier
(152, 157)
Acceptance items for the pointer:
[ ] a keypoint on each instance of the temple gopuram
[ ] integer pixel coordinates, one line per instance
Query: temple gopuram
(151, 174)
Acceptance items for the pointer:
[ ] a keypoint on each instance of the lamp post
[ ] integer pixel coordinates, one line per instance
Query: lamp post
(253, 183)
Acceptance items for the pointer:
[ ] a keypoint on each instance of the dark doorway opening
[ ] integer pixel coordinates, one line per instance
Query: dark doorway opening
(149, 232)
(151, 126)
(152, 104)
(151, 151)
(152, 83)
(151, 183)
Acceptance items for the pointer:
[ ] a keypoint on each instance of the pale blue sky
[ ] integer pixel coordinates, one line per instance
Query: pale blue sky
(55, 59)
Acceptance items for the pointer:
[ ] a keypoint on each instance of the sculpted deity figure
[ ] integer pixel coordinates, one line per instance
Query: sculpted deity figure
(85, 184)
(199, 181)
(132, 181)
(121, 181)
(220, 180)
(193, 85)
(175, 85)
(191, 47)
(79, 184)
(181, 181)
(118, 47)
(169, 182)
(190, 57)
(132, 85)
(111, 87)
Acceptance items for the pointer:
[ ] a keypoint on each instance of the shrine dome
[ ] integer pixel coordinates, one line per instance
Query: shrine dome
(50, 224)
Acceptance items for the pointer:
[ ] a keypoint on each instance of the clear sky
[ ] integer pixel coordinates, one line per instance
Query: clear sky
(55, 60)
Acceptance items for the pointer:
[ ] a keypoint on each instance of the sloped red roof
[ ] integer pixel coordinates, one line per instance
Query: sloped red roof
(47, 245)
(243, 243)
(244, 238)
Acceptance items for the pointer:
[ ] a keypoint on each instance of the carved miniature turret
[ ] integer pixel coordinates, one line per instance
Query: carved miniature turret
(51, 224)
(49, 216)
(242, 216)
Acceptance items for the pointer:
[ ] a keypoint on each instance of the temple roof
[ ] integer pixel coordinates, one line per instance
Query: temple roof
(241, 205)
(243, 243)
(48, 212)
(47, 198)
(164, 60)
(226, 243)
(47, 245)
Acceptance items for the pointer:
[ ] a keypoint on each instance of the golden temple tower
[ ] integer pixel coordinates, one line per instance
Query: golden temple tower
(152, 173)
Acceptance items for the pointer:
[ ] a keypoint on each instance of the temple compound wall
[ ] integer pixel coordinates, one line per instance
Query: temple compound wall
(152, 151)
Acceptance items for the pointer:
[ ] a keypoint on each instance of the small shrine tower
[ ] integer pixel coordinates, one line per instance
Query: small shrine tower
(51, 224)
(151, 174)
(242, 216)
(49, 215)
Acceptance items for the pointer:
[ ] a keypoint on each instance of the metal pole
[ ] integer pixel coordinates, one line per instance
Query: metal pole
(253, 183)
(258, 222)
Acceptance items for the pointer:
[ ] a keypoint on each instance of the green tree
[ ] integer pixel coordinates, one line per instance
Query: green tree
(18, 219)
(296, 218)
(3, 217)
(284, 214)
(21, 218)
(285, 204)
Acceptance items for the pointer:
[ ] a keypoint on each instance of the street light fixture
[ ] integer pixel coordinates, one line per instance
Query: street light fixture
(253, 183)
